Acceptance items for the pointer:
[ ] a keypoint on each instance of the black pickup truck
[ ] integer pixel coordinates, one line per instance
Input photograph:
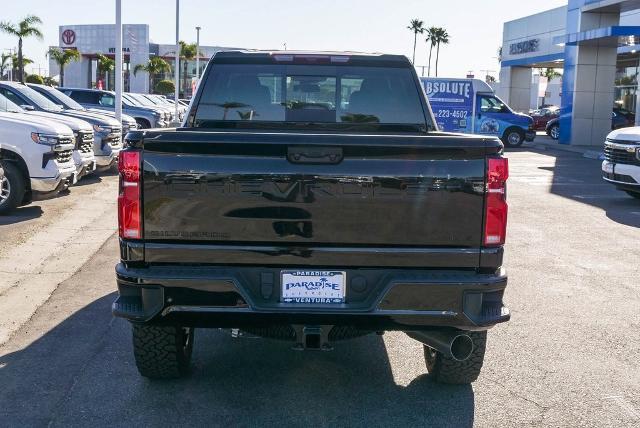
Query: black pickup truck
(309, 197)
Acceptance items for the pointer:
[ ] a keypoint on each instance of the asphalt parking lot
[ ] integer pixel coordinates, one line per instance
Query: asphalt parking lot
(569, 357)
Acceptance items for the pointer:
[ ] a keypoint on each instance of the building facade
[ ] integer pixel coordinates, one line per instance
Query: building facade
(94, 40)
(595, 42)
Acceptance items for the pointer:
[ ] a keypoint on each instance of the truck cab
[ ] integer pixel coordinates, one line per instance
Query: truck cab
(470, 106)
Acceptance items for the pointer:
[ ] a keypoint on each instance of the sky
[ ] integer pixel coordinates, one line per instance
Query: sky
(475, 26)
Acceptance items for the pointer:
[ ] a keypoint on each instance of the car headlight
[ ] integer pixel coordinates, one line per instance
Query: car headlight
(638, 153)
(47, 140)
(101, 129)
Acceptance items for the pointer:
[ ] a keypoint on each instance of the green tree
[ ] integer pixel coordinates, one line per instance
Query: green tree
(188, 52)
(417, 27)
(50, 81)
(35, 78)
(432, 41)
(28, 27)
(155, 65)
(63, 57)
(442, 37)
(550, 73)
(105, 66)
(165, 87)
(14, 64)
(4, 63)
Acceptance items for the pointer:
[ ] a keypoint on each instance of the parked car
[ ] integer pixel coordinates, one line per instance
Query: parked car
(18, 97)
(621, 165)
(37, 158)
(160, 100)
(619, 119)
(58, 97)
(106, 100)
(470, 106)
(543, 116)
(290, 207)
(136, 99)
(553, 128)
(4, 183)
(622, 118)
(108, 132)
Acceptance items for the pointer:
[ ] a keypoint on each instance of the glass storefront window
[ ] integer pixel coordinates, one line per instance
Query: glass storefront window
(626, 83)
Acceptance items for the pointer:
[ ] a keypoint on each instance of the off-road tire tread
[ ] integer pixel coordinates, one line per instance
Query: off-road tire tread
(449, 371)
(159, 353)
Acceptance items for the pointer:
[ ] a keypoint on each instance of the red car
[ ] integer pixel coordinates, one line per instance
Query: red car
(543, 116)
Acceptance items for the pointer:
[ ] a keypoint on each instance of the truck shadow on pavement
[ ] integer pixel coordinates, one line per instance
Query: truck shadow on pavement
(82, 373)
(578, 178)
(21, 214)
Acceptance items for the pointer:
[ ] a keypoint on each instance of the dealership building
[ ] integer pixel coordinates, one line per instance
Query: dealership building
(597, 43)
(92, 40)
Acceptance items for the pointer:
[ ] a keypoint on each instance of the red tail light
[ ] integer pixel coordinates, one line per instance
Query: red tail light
(129, 201)
(495, 226)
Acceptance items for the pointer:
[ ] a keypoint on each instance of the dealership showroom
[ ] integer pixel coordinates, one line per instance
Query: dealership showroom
(596, 44)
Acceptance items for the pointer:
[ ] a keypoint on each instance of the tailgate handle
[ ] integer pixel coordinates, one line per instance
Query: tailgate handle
(315, 155)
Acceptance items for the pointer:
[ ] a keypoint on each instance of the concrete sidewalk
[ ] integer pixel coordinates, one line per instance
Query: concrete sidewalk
(544, 142)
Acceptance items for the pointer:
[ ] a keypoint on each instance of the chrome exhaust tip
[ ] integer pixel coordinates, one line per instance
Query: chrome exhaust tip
(456, 345)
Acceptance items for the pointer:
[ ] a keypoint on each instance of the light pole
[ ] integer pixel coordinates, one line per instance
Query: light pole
(118, 55)
(197, 55)
(177, 61)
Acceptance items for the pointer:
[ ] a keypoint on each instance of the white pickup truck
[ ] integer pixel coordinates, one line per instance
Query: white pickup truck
(37, 158)
(83, 154)
(621, 166)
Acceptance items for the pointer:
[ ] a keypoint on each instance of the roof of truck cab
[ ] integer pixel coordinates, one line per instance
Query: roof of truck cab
(268, 56)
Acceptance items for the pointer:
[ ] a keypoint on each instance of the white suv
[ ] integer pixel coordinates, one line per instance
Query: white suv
(621, 166)
(37, 158)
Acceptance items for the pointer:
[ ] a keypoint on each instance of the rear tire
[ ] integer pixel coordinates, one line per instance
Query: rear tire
(634, 194)
(12, 188)
(554, 132)
(513, 137)
(446, 370)
(162, 352)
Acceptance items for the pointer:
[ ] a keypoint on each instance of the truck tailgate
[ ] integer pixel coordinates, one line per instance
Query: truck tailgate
(301, 190)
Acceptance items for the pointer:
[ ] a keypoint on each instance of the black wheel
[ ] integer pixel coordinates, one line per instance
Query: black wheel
(143, 124)
(634, 194)
(554, 132)
(450, 371)
(162, 352)
(513, 137)
(12, 188)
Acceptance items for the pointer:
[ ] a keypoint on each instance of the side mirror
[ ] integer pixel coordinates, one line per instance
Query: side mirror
(27, 107)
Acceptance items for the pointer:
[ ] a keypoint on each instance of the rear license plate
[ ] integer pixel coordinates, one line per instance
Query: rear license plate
(314, 287)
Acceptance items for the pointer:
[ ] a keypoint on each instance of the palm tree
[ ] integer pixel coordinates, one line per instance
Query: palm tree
(26, 28)
(14, 64)
(105, 66)
(155, 65)
(63, 57)
(4, 63)
(188, 51)
(442, 37)
(417, 27)
(432, 41)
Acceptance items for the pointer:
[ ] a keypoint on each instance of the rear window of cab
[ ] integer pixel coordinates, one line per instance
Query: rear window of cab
(306, 94)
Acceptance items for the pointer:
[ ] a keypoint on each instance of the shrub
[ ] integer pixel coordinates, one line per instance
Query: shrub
(34, 78)
(165, 87)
